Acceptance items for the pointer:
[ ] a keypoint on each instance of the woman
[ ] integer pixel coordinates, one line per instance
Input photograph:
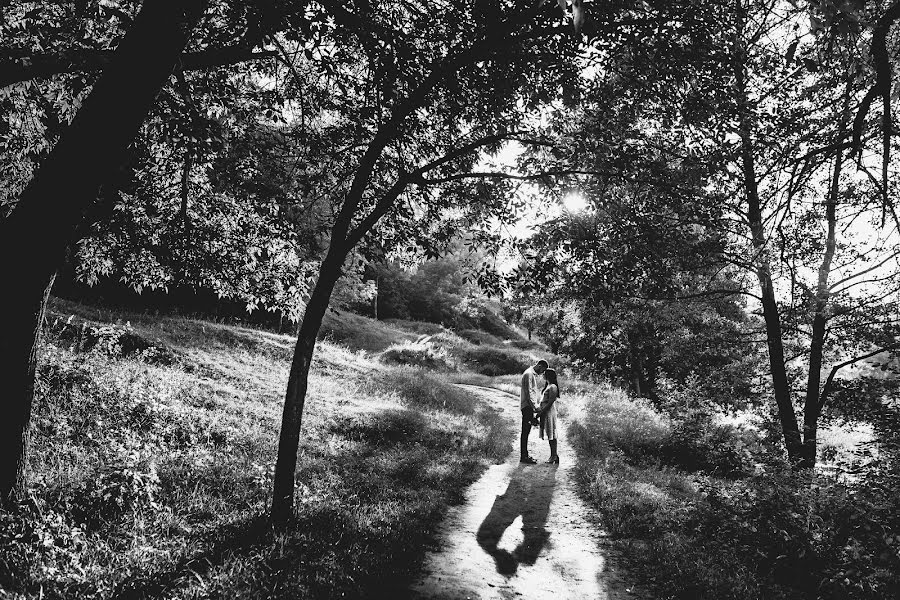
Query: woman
(547, 412)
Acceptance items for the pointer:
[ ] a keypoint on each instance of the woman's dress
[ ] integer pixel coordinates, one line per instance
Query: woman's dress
(548, 419)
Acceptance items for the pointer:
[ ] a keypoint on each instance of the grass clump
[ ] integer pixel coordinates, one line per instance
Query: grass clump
(702, 534)
(424, 354)
(492, 361)
(153, 479)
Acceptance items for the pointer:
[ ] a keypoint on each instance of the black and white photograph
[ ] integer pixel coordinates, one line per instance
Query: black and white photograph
(450, 300)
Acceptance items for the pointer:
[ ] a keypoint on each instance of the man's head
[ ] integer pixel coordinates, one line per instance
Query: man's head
(540, 366)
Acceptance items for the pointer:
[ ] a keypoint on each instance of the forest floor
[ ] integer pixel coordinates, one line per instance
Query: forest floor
(522, 532)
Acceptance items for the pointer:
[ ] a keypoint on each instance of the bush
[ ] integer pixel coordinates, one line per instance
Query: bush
(696, 443)
(419, 354)
(494, 361)
(777, 534)
(616, 422)
(112, 339)
(128, 487)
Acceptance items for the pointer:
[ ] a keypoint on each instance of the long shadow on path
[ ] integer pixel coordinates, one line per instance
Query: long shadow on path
(528, 495)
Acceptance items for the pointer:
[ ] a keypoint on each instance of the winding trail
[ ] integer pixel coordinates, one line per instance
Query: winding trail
(522, 532)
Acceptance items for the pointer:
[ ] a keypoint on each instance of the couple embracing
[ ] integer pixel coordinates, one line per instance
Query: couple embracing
(542, 413)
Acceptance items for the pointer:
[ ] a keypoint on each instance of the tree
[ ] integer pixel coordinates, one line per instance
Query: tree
(441, 85)
(48, 212)
(808, 149)
(744, 88)
(55, 194)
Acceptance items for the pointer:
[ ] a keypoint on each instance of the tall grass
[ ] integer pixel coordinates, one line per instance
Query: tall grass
(152, 479)
(690, 534)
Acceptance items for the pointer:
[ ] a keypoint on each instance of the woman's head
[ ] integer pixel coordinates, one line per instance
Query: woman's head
(550, 378)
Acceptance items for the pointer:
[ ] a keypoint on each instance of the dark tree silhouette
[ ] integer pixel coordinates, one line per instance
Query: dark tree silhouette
(45, 221)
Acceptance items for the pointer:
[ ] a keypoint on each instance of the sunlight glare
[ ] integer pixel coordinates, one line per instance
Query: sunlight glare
(574, 202)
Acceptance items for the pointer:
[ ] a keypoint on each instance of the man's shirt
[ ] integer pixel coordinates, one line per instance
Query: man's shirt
(529, 389)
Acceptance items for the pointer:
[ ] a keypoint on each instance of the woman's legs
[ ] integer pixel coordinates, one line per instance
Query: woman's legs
(553, 454)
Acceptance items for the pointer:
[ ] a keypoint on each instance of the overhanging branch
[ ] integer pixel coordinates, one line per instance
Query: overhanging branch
(40, 66)
(826, 389)
(387, 200)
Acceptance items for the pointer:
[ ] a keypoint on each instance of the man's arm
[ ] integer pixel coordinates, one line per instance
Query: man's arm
(525, 388)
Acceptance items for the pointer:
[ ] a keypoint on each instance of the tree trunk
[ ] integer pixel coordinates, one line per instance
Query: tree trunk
(636, 367)
(19, 348)
(812, 405)
(295, 398)
(47, 216)
(375, 300)
(780, 384)
(185, 222)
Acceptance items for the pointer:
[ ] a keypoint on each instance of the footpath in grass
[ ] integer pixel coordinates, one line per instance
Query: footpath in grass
(152, 450)
(522, 531)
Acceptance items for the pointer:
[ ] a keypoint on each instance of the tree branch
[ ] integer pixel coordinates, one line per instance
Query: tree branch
(387, 200)
(828, 382)
(41, 66)
(882, 89)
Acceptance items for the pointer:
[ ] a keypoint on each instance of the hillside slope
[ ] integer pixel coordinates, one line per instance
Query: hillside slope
(152, 450)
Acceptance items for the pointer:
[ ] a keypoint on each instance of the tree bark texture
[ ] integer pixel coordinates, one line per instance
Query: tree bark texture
(780, 384)
(46, 218)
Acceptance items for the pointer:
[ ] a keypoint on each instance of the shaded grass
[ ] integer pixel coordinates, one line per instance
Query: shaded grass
(694, 536)
(647, 507)
(153, 480)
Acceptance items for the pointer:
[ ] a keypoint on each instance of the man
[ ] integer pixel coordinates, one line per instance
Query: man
(527, 395)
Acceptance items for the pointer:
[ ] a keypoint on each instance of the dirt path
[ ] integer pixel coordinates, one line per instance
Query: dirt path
(522, 532)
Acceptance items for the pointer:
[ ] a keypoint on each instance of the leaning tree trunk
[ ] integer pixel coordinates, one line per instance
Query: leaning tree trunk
(295, 397)
(34, 238)
(780, 384)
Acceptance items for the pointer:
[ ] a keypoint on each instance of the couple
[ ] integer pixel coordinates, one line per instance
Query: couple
(543, 413)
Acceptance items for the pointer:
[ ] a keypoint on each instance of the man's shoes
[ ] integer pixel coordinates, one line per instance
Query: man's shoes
(528, 460)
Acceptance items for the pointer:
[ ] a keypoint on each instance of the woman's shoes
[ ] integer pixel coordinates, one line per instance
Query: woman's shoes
(554, 460)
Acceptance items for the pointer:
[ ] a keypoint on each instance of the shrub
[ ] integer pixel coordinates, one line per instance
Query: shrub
(419, 354)
(777, 534)
(696, 443)
(112, 339)
(615, 421)
(494, 361)
(117, 491)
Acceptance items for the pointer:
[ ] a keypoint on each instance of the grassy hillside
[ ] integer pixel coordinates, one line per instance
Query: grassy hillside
(434, 347)
(152, 453)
